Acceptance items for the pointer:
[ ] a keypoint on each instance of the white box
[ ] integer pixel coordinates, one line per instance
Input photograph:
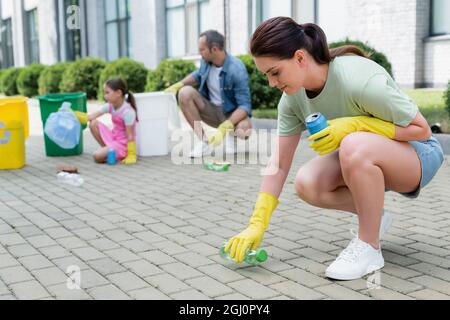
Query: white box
(153, 127)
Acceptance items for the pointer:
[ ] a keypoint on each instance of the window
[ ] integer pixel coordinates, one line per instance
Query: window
(440, 22)
(118, 29)
(72, 31)
(266, 9)
(185, 20)
(7, 44)
(32, 37)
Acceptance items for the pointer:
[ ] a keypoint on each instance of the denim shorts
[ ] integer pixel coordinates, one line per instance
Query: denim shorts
(431, 158)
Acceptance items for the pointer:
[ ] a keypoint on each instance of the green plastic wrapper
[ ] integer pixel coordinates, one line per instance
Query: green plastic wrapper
(217, 166)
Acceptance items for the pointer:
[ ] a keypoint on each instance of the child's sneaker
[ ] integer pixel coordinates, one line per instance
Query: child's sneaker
(356, 261)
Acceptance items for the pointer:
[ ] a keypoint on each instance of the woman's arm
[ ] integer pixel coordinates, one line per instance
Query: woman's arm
(279, 165)
(417, 130)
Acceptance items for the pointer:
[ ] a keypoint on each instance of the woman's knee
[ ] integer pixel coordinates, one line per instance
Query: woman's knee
(307, 187)
(355, 151)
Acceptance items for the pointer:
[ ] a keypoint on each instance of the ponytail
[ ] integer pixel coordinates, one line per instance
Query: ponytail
(348, 50)
(281, 37)
(129, 97)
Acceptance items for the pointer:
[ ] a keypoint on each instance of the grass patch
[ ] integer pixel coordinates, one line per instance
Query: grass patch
(430, 102)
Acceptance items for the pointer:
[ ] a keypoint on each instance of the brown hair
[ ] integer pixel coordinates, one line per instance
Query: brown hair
(120, 84)
(281, 37)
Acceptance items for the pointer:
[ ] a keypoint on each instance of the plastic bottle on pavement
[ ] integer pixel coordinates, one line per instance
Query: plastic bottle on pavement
(252, 257)
(111, 157)
(70, 178)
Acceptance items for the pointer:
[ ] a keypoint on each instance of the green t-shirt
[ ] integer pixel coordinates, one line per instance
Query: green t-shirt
(355, 86)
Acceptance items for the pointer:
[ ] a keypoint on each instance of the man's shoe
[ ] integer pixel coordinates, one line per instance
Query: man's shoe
(200, 150)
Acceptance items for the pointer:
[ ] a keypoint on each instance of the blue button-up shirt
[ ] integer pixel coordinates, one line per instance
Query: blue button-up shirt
(234, 84)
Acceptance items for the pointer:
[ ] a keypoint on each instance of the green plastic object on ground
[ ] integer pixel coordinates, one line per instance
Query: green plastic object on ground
(217, 166)
(51, 103)
(252, 257)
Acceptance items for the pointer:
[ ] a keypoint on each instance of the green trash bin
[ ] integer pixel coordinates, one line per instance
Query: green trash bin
(51, 103)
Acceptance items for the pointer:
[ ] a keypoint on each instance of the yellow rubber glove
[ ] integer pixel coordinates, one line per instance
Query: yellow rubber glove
(82, 117)
(217, 138)
(329, 139)
(131, 157)
(251, 237)
(174, 88)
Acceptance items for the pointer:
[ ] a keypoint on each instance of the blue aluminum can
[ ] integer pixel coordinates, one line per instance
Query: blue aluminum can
(111, 160)
(316, 123)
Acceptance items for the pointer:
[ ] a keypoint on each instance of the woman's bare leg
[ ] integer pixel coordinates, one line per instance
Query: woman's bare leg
(369, 163)
(354, 178)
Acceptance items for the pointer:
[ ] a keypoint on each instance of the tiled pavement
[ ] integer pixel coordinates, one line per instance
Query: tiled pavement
(151, 231)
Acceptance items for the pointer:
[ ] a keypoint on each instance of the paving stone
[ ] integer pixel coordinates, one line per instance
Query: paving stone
(30, 290)
(108, 292)
(296, 291)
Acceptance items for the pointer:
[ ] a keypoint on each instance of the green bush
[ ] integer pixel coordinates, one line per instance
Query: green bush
(263, 96)
(51, 77)
(374, 55)
(9, 81)
(167, 73)
(447, 98)
(28, 80)
(134, 73)
(83, 76)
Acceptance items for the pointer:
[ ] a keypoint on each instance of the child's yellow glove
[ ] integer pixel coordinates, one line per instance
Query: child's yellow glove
(217, 138)
(251, 237)
(82, 117)
(329, 139)
(131, 157)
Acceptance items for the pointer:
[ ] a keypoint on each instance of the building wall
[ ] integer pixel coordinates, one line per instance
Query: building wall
(48, 35)
(96, 42)
(437, 61)
(390, 27)
(238, 37)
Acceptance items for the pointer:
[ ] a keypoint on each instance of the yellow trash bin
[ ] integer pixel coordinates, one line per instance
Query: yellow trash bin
(12, 145)
(15, 109)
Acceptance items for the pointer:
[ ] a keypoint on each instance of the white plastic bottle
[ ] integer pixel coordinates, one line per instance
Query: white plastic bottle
(70, 178)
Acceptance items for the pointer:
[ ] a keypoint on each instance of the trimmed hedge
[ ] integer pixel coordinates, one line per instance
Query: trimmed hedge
(51, 77)
(83, 75)
(263, 96)
(9, 81)
(28, 80)
(167, 73)
(374, 55)
(133, 72)
(447, 98)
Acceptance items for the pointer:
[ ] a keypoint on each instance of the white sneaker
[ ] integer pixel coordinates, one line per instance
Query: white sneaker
(356, 261)
(386, 223)
(200, 150)
(230, 145)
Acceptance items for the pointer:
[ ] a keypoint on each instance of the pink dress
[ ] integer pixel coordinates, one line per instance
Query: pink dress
(117, 137)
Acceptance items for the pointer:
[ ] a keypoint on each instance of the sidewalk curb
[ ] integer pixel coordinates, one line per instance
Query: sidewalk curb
(270, 124)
